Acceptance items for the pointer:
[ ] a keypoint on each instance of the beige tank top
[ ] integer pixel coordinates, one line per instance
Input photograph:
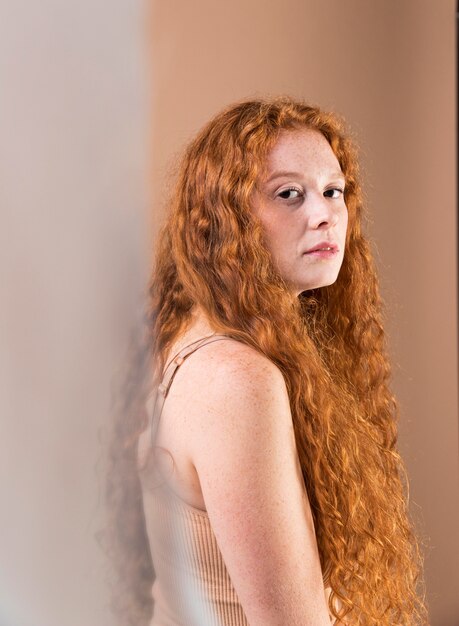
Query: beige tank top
(192, 585)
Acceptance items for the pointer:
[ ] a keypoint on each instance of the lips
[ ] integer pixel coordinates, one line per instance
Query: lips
(324, 245)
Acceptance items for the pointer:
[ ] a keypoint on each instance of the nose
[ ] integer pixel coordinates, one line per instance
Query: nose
(321, 213)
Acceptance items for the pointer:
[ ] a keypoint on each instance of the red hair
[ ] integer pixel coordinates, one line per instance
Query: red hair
(329, 344)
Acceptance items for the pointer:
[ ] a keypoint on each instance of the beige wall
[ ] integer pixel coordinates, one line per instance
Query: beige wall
(76, 124)
(388, 67)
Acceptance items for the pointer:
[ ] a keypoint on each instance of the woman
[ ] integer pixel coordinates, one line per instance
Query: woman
(270, 487)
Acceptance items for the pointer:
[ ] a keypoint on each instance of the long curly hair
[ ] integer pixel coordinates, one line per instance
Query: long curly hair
(329, 344)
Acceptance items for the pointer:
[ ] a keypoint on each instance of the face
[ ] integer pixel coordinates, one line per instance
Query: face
(300, 203)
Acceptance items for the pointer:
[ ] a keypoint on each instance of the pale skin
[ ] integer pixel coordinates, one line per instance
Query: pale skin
(233, 444)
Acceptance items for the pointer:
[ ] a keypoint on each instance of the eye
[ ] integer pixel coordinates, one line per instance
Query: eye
(285, 194)
(338, 191)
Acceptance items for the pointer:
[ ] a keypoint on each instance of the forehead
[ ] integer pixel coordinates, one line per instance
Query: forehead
(304, 149)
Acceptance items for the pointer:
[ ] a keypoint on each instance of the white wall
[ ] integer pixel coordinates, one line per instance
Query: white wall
(73, 124)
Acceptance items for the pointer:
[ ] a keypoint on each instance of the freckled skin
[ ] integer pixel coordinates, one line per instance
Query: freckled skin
(234, 442)
(309, 213)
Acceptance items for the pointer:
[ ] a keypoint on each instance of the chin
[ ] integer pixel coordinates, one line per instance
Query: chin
(317, 284)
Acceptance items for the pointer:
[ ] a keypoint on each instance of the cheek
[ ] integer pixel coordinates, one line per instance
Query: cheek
(269, 232)
(275, 240)
(280, 241)
(274, 227)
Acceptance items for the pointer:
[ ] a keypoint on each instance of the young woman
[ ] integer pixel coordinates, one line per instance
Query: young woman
(269, 490)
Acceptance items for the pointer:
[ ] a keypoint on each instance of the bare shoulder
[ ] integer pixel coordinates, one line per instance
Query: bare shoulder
(229, 361)
(226, 380)
(238, 394)
(242, 444)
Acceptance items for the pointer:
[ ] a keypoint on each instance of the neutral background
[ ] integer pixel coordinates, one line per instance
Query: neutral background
(97, 101)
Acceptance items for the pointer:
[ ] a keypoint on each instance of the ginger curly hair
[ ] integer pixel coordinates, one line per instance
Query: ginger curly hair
(329, 344)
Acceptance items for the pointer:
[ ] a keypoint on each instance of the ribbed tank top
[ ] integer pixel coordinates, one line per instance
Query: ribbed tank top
(192, 586)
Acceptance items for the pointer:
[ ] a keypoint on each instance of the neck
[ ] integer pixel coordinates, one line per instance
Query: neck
(199, 325)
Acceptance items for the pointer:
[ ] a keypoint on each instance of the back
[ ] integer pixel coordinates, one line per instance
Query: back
(239, 430)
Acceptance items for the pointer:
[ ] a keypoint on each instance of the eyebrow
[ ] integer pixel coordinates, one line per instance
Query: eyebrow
(281, 174)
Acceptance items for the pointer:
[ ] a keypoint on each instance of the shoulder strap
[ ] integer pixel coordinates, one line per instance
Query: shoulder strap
(168, 376)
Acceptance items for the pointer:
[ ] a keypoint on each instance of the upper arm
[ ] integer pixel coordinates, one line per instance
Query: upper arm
(243, 448)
